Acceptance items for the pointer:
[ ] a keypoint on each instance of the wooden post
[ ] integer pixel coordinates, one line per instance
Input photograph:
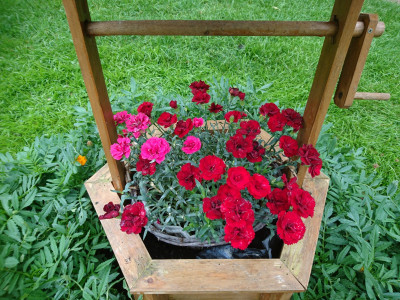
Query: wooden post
(86, 49)
(333, 54)
(354, 63)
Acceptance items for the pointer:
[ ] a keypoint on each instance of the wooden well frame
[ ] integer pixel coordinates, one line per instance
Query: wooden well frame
(348, 36)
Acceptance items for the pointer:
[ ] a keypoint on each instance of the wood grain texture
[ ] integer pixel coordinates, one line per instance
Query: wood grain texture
(86, 49)
(131, 253)
(333, 54)
(219, 296)
(220, 28)
(221, 279)
(354, 62)
(207, 276)
(371, 96)
(299, 257)
(277, 296)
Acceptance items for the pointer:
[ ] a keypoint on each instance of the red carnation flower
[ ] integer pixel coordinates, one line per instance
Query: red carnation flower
(173, 104)
(269, 109)
(237, 212)
(235, 92)
(288, 145)
(215, 108)
(187, 176)
(303, 204)
(212, 208)
(112, 211)
(259, 186)
(256, 154)
(290, 227)
(278, 201)
(226, 193)
(238, 178)
(201, 98)
(166, 119)
(234, 116)
(290, 186)
(315, 167)
(199, 86)
(249, 128)
(276, 123)
(212, 167)
(239, 146)
(239, 237)
(133, 218)
(294, 119)
(308, 154)
(146, 108)
(145, 166)
(183, 127)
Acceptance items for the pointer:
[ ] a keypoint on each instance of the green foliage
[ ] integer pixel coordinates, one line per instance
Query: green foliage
(40, 79)
(52, 244)
(358, 253)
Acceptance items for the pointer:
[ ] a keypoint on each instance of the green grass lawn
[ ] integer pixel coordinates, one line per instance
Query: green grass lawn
(40, 77)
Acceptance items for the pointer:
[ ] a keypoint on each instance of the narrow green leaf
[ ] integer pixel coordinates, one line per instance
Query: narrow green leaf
(11, 262)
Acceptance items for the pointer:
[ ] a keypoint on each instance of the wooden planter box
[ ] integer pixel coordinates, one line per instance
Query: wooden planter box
(348, 37)
(210, 278)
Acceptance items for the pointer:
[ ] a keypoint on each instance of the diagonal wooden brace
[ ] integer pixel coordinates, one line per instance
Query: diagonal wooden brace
(354, 62)
(331, 62)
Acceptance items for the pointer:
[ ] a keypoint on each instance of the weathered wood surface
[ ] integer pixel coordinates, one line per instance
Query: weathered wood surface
(86, 49)
(210, 278)
(277, 296)
(371, 96)
(299, 257)
(216, 275)
(221, 28)
(333, 54)
(220, 296)
(131, 254)
(354, 62)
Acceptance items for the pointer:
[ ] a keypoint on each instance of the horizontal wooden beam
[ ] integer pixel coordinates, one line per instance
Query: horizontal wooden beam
(371, 96)
(221, 28)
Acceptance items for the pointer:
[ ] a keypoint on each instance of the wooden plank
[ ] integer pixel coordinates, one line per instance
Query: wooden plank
(299, 257)
(131, 253)
(216, 275)
(354, 62)
(278, 296)
(219, 296)
(371, 96)
(220, 28)
(333, 54)
(86, 49)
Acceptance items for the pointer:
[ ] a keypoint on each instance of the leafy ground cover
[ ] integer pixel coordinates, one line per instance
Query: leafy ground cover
(40, 80)
(52, 245)
(44, 208)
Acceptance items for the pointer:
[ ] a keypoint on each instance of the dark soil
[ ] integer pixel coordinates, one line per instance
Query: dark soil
(257, 249)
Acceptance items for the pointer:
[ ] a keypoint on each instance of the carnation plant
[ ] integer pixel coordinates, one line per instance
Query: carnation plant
(213, 167)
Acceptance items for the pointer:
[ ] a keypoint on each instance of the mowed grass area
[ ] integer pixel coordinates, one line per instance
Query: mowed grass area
(40, 79)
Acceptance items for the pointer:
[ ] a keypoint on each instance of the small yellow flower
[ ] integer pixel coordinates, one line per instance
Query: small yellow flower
(82, 160)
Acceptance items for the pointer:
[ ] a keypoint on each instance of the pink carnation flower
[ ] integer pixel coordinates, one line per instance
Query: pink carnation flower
(121, 117)
(155, 149)
(198, 122)
(137, 124)
(121, 148)
(191, 145)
